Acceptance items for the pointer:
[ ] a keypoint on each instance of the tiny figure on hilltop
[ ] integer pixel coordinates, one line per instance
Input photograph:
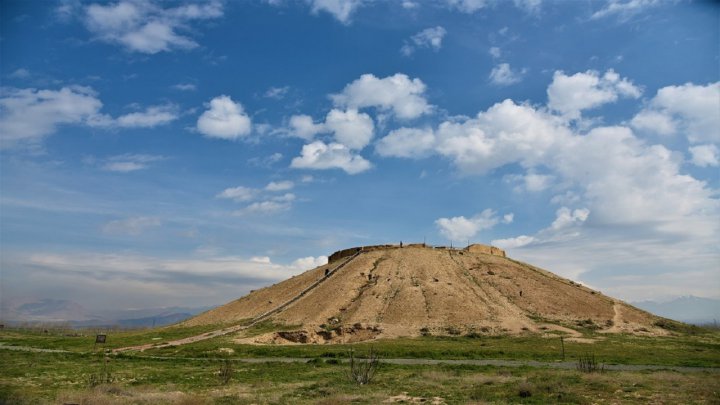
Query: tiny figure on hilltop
(327, 273)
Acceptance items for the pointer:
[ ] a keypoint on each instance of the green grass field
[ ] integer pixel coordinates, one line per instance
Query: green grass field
(190, 374)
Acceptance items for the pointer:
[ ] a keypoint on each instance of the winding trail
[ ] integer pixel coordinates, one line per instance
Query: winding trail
(236, 328)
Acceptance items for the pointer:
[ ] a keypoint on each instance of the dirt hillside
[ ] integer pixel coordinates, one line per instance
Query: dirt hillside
(388, 291)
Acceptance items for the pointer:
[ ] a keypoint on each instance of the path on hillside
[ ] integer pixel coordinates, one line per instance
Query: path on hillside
(236, 328)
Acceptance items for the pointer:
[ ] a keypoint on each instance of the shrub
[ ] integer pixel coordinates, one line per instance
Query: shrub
(362, 371)
(226, 371)
(587, 364)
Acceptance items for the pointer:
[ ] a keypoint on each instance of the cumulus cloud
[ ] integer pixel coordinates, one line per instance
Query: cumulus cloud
(280, 185)
(689, 109)
(407, 143)
(307, 263)
(131, 226)
(504, 75)
(145, 27)
(303, 126)
(428, 38)
(570, 95)
(704, 155)
(129, 162)
(342, 10)
(350, 128)
(398, 94)
(462, 229)
(28, 115)
(239, 193)
(319, 155)
(512, 243)
(224, 119)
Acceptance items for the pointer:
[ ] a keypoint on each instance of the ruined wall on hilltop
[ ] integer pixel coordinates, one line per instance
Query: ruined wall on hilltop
(476, 248)
(488, 250)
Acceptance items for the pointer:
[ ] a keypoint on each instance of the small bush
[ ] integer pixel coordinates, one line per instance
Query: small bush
(226, 371)
(362, 371)
(587, 364)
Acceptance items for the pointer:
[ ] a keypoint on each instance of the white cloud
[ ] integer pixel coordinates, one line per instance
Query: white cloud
(407, 143)
(280, 185)
(467, 6)
(265, 207)
(505, 133)
(129, 162)
(28, 115)
(260, 259)
(508, 218)
(462, 229)
(302, 126)
(409, 5)
(512, 243)
(352, 129)
(318, 156)
(131, 226)
(143, 26)
(277, 93)
(225, 119)
(185, 87)
(564, 217)
(495, 52)
(238, 194)
(342, 10)
(307, 263)
(504, 75)
(653, 121)
(150, 118)
(529, 6)
(624, 9)
(397, 93)
(427, 38)
(20, 74)
(690, 109)
(704, 155)
(570, 95)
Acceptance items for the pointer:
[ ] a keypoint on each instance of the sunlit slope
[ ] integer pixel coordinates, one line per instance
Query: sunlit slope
(411, 290)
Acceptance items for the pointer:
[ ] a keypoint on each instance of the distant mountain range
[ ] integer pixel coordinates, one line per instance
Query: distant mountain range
(66, 312)
(689, 309)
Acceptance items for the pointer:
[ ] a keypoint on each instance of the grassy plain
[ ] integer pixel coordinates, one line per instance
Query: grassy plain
(190, 374)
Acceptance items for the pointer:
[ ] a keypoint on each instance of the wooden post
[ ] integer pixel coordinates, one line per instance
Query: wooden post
(562, 345)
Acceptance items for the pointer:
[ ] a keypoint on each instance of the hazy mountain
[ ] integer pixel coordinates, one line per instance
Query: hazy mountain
(50, 311)
(690, 309)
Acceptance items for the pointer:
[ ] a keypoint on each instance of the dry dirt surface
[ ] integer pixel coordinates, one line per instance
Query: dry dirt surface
(391, 292)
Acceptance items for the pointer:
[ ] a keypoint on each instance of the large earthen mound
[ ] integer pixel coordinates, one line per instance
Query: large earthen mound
(392, 291)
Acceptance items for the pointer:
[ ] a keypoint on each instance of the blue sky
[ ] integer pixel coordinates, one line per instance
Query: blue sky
(184, 153)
